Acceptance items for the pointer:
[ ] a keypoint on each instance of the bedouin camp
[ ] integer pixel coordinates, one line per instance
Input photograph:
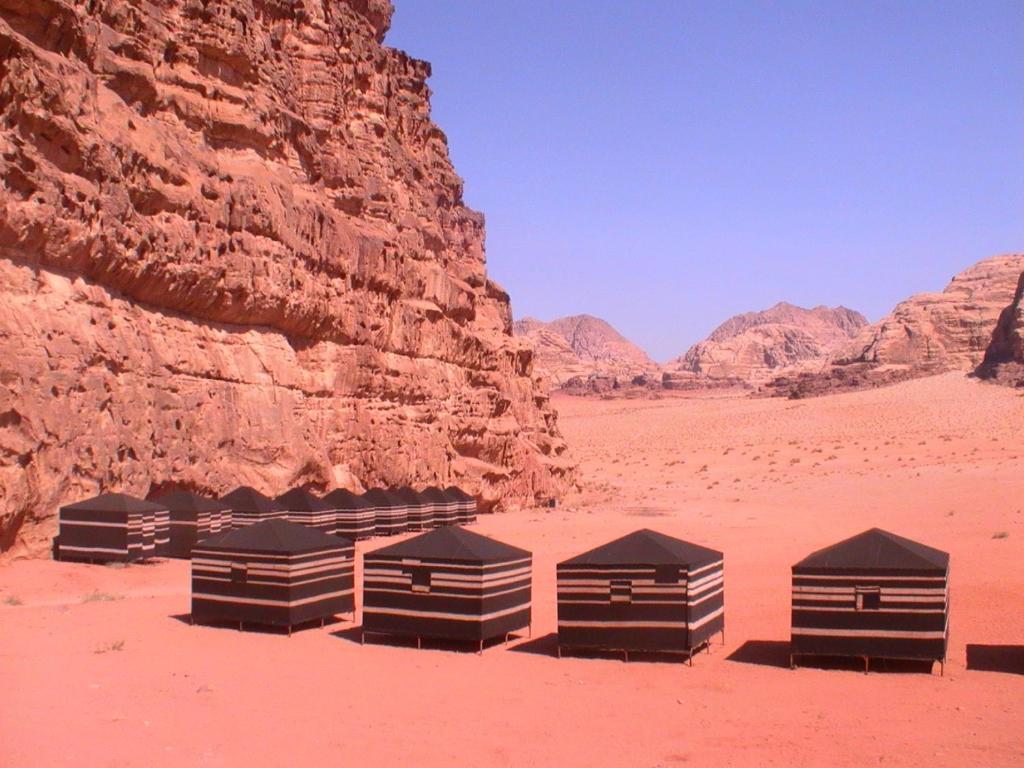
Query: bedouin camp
(249, 506)
(390, 512)
(353, 515)
(301, 506)
(875, 595)
(272, 573)
(642, 592)
(448, 583)
(111, 527)
(193, 518)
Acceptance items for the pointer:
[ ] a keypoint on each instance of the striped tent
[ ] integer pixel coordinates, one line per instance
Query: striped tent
(445, 509)
(643, 592)
(875, 595)
(249, 506)
(193, 518)
(112, 527)
(300, 506)
(353, 516)
(465, 505)
(420, 510)
(272, 573)
(390, 513)
(448, 583)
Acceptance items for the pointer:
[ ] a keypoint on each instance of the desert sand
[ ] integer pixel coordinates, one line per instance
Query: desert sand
(99, 666)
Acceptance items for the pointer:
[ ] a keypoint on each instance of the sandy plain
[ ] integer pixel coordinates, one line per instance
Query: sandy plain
(99, 667)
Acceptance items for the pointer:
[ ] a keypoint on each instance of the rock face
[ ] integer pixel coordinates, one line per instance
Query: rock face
(751, 348)
(1004, 358)
(926, 334)
(233, 250)
(583, 347)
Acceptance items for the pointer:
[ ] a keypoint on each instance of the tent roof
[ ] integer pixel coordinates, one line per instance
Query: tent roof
(345, 499)
(378, 497)
(301, 500)
(454, 492)
(273, 536)
(435, 494)
(246, 499)
(647, 547)
(877, 549)
(187, 501)
(453, 543)
(115, 502)
(408, 495)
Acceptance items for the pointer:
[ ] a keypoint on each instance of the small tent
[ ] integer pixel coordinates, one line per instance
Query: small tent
(390, 512)
(444, 509)
(465, 505)
(874, 595)
(272, 573)
(192, 518)
(643, 592)
(420, 511)
(300, 506)
(448, 583)
(112, 527)
(354, 517)
(249, 506)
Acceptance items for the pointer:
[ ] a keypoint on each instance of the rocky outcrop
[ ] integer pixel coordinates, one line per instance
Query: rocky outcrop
(751, 348)
(583, 348)
(927, 334)
(233, 249)
(1004, 358)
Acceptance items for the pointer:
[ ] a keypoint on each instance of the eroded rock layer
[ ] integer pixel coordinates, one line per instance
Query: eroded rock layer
(1004, 358)
(233, 249)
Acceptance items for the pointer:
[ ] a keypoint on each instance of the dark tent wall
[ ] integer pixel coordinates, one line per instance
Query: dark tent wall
(449, 583)
(354, 517)
(642, 592)
(192, 518)
(272, 573)
(300, 506)
(875, 595)
(249, 506)
(391, 515)
(112, 527)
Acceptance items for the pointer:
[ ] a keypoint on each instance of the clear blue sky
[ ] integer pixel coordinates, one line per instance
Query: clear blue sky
(666, 164)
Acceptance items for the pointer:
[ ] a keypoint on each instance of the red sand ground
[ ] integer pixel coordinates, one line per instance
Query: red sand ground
(93, 681)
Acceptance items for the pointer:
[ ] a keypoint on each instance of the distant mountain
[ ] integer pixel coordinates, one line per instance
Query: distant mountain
(583, 346)
(753, 347)
(927, 333)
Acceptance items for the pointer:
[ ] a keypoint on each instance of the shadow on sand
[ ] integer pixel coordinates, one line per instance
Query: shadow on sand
(266, 629)
(996, 658)
(355, 635)
(775, 653)
(764, 653)
(547, 645)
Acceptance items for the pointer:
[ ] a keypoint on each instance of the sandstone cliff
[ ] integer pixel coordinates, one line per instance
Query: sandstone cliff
(752, 347)
(233, 249)
(582, 347)
(926, 334)
(1004, 358)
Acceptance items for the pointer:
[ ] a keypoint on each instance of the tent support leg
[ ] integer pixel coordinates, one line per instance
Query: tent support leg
(289, 630)
(419, 643)
(558, 650)
(866, 664)
(239, 626)
(792, 661)
(321, 622)
(480, 650)
(625, 656)
(362, 637)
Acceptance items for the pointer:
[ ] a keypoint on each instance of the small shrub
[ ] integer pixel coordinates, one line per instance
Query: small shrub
(99, 597)
(1000, 535)
(114, 645)
(12, 600)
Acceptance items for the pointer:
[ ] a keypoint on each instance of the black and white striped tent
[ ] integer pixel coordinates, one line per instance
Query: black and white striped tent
(112, 527)
(445, 509)
(875, 595)
(420, 512)
(390, 513)
(193, 518)
(354, 517)
(465, 505)
(272, 573)
(642, 592)
(249, 506)
(448, 583)
(300, 506)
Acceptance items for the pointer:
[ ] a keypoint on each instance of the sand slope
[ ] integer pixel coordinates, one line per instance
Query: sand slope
(767, 481)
